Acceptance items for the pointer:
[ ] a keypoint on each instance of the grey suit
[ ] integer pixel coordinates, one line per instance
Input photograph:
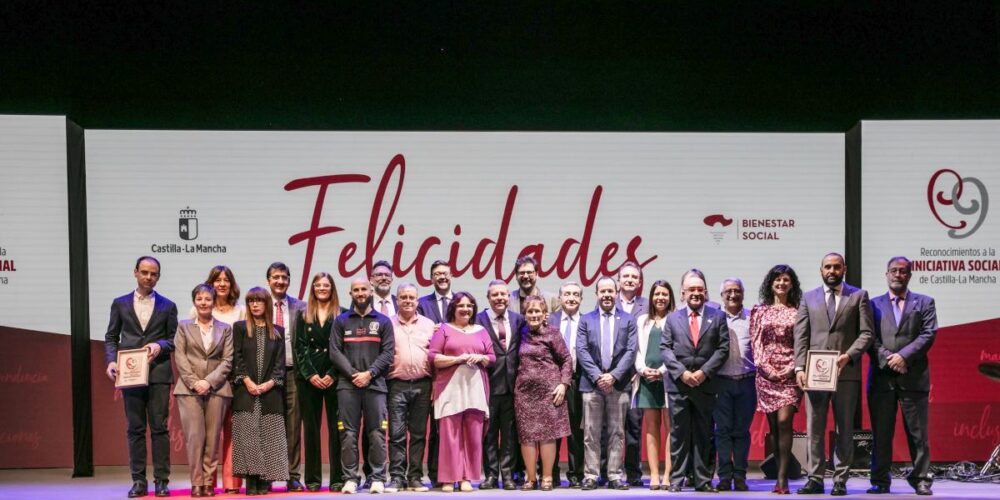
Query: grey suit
(912, 338)
(202, 416)
(293, 417)
(850, 333)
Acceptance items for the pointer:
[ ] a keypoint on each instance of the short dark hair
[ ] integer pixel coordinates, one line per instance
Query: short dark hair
(597, 284)
(438, 263)
(835, 254)
(909, 264)
(149, 258)
(453, 306)
(277, 266)
(767, 294)
(527, 259)
(203, 288)
(382, 263)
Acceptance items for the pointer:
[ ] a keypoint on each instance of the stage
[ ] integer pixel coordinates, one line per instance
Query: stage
(113, 483)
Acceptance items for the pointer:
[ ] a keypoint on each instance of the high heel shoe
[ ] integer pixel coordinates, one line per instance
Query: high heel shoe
(546, 484)
(781, 490)
(528, 486)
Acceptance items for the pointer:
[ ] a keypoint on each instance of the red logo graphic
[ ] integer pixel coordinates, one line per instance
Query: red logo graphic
(946, 192)
(130, 363)
(717, 219)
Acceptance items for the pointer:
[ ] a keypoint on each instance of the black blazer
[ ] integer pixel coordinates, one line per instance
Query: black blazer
(245, 365)
(429, 307)
(125, 332)
(504, 371)
(312, 346)
(911, 339)
(680, 354)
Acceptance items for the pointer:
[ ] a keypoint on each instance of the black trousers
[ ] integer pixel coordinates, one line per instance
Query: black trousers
(633, 444)
(882, 406)
(311, 403)
(433, 447)
(148, 405)
(691, 436)
(356, 405)
(500, 439)
(409, 406)
(574, 442)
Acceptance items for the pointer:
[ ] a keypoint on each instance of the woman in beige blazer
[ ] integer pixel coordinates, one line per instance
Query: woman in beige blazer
(204, 356)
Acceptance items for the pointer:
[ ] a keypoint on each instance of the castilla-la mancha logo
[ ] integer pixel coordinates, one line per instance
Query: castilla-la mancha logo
(717, 224)
(187, 224)
(958, 203)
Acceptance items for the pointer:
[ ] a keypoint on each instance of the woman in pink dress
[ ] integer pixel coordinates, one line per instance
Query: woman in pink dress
(771, 333)
(460, 351)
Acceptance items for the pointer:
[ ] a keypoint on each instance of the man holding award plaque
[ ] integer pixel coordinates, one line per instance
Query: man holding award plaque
(143, 320)
(835, 317)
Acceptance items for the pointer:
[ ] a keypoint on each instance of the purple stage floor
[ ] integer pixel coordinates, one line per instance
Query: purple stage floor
(113, 483)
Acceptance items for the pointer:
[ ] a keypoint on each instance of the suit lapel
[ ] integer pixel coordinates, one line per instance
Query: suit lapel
(216, 339)
(908, 306)
(132, 314)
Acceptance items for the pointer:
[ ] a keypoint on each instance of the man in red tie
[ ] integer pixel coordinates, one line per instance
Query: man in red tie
(286, 313)
(694, 346)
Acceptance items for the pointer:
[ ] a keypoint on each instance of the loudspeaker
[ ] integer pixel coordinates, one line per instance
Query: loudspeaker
(863, 445)
(770, 465)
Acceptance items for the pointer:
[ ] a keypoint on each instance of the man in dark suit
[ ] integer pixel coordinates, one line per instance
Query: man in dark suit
(566, 320)
(145, 319)
(383, 300)
(629, 300)
(605, 348)
(834, 317)
(505, 328)
(694, 346)
(286, 313)
(434, 306)
(905, 325)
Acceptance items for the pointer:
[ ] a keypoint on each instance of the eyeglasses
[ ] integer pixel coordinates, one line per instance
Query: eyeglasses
(381, 275)
(897, 271)
(732, 292)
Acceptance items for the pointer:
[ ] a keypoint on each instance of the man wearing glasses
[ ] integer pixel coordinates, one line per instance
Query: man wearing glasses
(526, 269)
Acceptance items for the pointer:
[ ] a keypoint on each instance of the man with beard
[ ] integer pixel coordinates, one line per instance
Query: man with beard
(434, 306)
(834, 317)
(606, 346)
(905, 325)
(505, 328)
(566, 321)
(526, 272)
(362, 348)
(383, 300)
(694, 346)
(286, 313)
(629, 300)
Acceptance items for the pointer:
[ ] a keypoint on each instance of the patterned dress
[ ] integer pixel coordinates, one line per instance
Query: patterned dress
(773, 340)
(259, 446)
(545, 362)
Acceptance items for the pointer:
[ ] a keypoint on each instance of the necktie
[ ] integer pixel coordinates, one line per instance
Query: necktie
(444, 308)
(502, 332)
(606, 341)
(384, 309)
(567, 332)
(279, 316)
(694, 328)
(831, 305)
(897, 309)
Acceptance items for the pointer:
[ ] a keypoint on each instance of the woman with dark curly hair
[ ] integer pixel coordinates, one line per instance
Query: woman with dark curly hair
(771, 334)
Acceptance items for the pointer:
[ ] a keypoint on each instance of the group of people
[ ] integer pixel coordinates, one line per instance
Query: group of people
(498, 386)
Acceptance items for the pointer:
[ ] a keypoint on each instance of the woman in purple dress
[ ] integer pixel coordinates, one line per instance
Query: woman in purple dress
(543, 376)
(771, 333)
(460, 351)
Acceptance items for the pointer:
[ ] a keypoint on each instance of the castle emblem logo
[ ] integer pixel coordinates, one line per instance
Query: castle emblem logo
(187, 224)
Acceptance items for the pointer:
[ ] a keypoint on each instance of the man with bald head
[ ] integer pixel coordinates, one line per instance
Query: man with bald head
(833, 317)
(362, 348)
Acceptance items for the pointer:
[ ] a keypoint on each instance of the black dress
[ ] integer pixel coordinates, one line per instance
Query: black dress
(259, 445)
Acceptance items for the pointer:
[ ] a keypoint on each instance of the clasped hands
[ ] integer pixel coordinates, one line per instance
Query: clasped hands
(693, 379)
(257, 389)
(473, 359)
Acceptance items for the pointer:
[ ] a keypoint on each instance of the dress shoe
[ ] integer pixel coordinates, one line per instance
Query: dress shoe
(674, 488)
(740, 484)
(139, 489)
(294, 485)
(509, 483)
(161, 489)
(490, 483)
(312, 488)
(706, 488)
(618, 484)
(636, 481)
(724, 485)
(575, 482)
(878, 489)
(810, 488)
(588, 484)
(416, 485)
(232, 491)
(924, 490)
(337, 486)
(839, 489)
(602, 481)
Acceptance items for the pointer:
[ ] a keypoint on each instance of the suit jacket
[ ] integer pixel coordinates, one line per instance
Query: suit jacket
(312, 347)
(555, 321)
(504, 370)
(640, 307)
(125, 332)
(292, 317)
(680, 354)
(392, 299)
(195, 363)
(550, 298)
(850, 333)
(245, 365)
(911, 339)
(588, 350)
(428, 306)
